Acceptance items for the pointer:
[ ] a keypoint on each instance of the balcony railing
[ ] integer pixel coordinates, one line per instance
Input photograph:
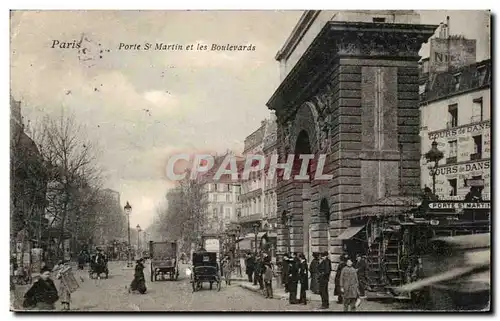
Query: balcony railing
(476, 119)
(451, 124)
(451, 160)
(476, 156)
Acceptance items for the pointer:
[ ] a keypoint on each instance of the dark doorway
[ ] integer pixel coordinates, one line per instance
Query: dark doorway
(324, 221)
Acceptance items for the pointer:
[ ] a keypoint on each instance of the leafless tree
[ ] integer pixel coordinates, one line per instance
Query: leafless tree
(73, 176)
(184, 216)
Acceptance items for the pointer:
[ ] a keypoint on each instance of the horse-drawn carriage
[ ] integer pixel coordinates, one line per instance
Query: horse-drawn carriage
(205, 269)
(164, 261)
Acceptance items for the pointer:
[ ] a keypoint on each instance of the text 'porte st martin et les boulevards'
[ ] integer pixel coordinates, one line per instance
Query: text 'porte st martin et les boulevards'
(190, 47)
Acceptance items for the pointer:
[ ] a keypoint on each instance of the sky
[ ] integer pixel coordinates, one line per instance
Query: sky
(139, 107)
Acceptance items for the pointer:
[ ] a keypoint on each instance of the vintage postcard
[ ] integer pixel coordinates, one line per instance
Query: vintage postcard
(313, 160)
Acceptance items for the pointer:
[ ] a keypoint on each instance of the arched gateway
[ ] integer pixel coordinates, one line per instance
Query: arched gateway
(352, 95)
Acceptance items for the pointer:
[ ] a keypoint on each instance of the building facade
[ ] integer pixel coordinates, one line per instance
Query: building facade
(456, 113)
(28, 185)
(349, 91)
(258, 193)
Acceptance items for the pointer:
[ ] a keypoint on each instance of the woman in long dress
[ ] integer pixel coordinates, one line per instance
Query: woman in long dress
(64, 291)
(139, 281)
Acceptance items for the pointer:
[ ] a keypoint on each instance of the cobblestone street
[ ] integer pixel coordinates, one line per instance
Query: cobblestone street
(112, 295)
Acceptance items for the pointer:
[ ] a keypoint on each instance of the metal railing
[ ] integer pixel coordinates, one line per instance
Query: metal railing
(451, 160)
(476, 156)
(476, 119)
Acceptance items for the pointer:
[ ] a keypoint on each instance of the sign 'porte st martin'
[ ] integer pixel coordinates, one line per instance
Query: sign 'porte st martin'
(459, 205)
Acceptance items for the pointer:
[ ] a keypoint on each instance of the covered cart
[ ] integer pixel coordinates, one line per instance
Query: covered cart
(164, 260)
(205, 269)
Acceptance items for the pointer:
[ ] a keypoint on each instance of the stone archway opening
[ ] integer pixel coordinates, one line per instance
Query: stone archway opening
(302, 222)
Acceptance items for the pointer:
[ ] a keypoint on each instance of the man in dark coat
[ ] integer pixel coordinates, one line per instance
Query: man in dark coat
(341, 265)
(303, 278)
(324, 270)
(285, 268)
(293, 278)
(249, 266)
(259, 267)
(313, 270)
(43, 293)
(361, 270)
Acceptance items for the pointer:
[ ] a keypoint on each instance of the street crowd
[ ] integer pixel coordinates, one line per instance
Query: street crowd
(350, 277)
(44, 294)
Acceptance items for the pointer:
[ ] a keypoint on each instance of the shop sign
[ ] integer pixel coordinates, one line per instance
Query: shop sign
(459, 205)
(460, 131)
(463, 168)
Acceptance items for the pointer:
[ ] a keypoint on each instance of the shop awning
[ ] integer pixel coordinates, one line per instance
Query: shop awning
(350, 232)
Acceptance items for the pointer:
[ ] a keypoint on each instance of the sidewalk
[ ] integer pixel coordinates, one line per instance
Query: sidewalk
(279, 293)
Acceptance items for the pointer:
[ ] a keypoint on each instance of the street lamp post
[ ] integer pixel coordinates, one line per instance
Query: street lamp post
(128, 209)
(434, 155)
(138, 227)
(256, 230)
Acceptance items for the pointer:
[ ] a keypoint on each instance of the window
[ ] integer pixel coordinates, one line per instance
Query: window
(481, 74)
(453, 186)
(477, 110)
(453, 115)
(228, 188)
(456, 81)
(215, 212)
(452, 155)
(215, 187)
(228, 197)
(478, 147)
(378, 20)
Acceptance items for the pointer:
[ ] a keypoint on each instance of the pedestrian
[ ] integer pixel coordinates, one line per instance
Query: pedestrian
(249, 266)
(268, 280)
(342, 264)
(259, 271)
(303, 278)
(43, 293)
(285, 267)
(324, 270)
(227, 267)
(361, 267)
(313, 270)
(293, 278)
(139, 281)
(349, 286)
(81, 260)
(64, 291)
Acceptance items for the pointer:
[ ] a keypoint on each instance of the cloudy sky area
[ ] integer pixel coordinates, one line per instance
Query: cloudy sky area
(141, 106)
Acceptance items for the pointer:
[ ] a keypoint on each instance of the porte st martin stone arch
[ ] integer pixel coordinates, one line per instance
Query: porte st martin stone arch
(250, 160)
